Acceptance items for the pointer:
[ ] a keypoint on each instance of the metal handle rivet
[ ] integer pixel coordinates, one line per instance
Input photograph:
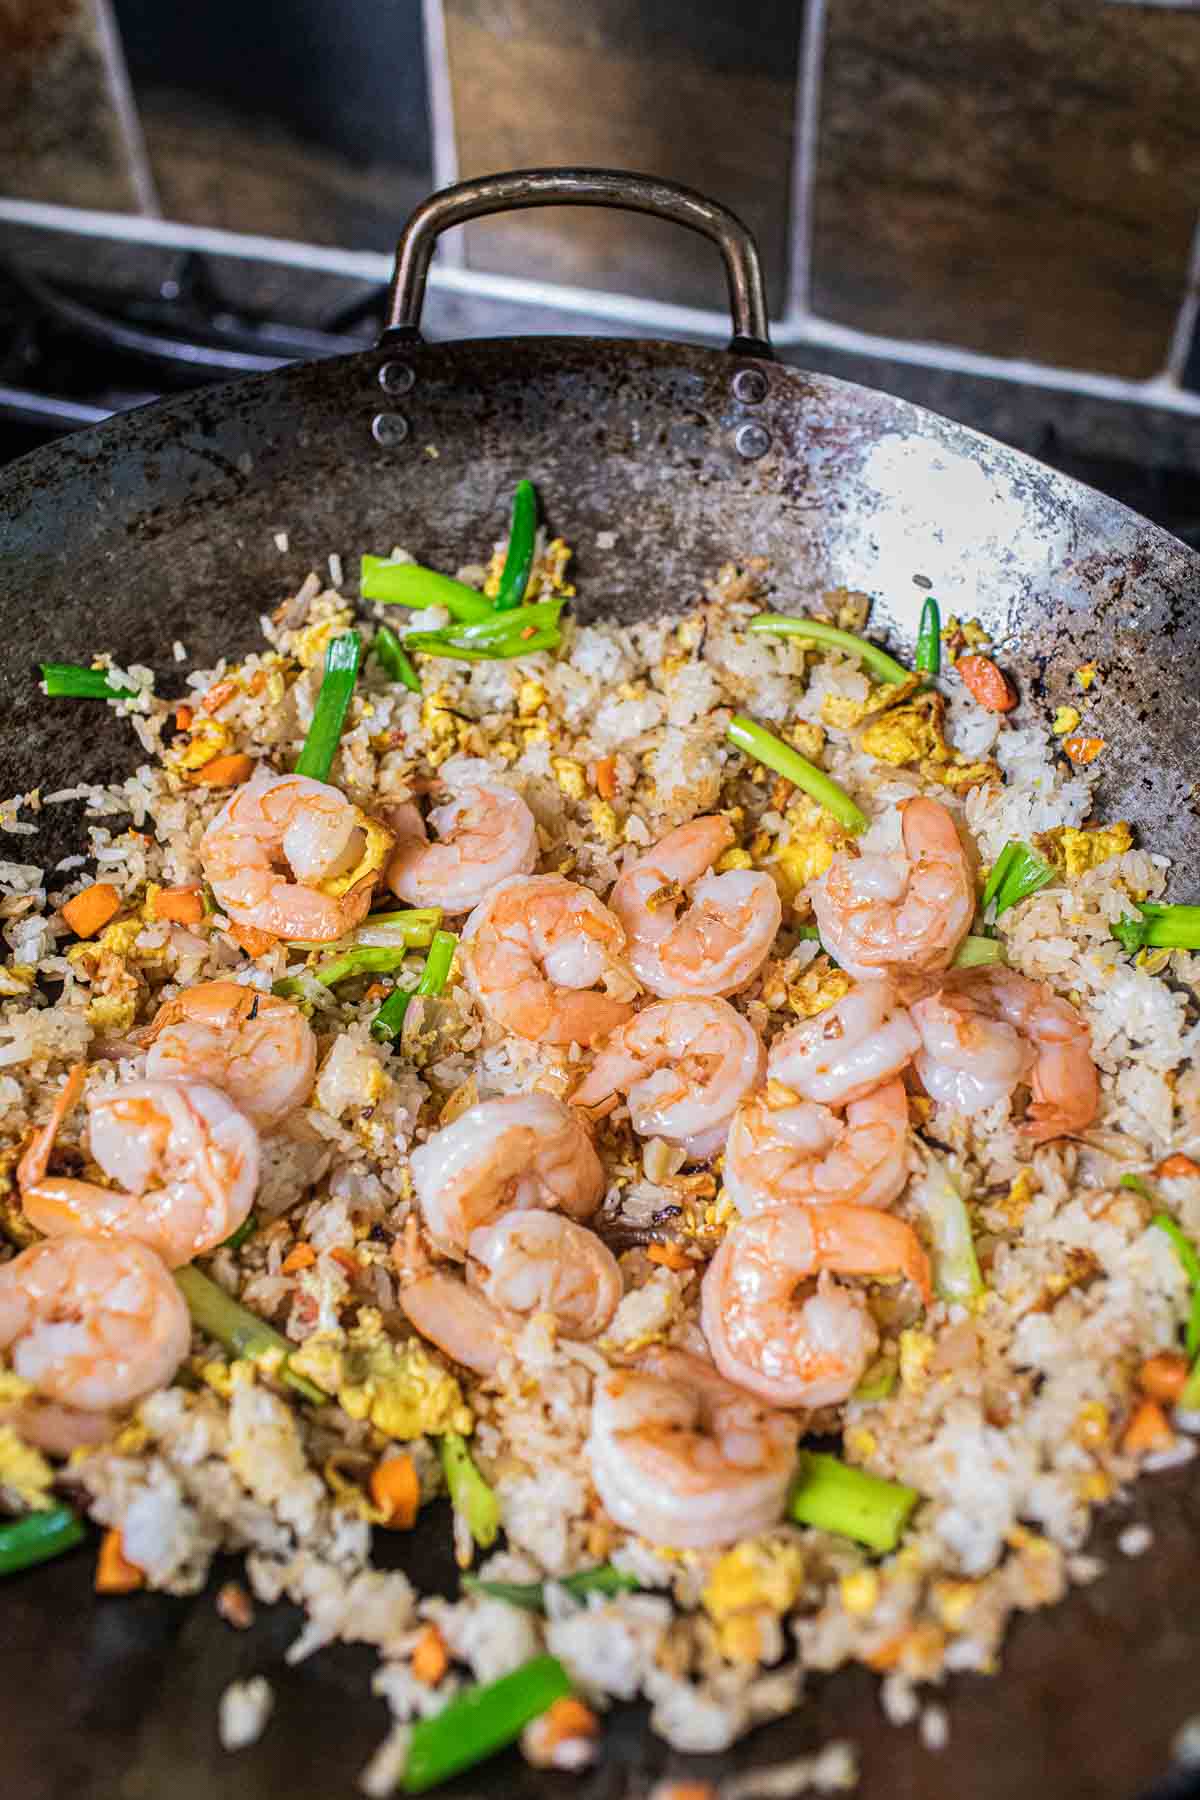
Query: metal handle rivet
(389, 429)
(752, 440)
(396, 377)
(750, 386)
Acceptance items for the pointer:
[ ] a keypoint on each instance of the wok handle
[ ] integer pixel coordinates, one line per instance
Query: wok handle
(582, 187)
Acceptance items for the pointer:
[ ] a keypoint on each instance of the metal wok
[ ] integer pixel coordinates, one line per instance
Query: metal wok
(160, 526)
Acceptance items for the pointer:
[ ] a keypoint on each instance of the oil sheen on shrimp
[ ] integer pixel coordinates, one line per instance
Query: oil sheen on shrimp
(485, 834)
(535, 955)
(989, 1029)
(186, 1160)
(258, 1049)
(908, 911)
(685, 1066)
(863, 1039)
(780, 1155)
(683, 1459)
(810, 1349)
(723, 938)
(530, 1261)
(293, 857)
(93, 1323)
(522, 1150)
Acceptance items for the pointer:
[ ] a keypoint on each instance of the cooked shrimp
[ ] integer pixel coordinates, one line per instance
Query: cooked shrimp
(186, 1158)
(485, 834)
(682, 1458)
(685, 1066)
(521, 1150)
(292, 856)
(461, 1323)
(809, 1351)
(844, 1052)
(722, 940)
(988, 1029)
(899, 911)
(535, 953)
(91, 1322)
(804, 1154)
(530, 1261)
(259, 1050)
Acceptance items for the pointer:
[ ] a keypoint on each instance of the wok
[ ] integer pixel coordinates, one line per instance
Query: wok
(159, 525)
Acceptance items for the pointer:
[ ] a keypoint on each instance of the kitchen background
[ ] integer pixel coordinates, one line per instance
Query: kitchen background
(990, 208)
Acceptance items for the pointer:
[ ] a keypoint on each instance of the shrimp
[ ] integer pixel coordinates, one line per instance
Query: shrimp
(534, 953)
(461, 1323)
(812, 1351)
(988, 1029)
(805, 1154)
(259, 1050)
(186, 1157)
(293, 857)
(521, 1150)
(846, 1051)
(685, 1065)
(92, 1323)
(487, 833)
(682, 1458)
(910, 911)
(722, 940)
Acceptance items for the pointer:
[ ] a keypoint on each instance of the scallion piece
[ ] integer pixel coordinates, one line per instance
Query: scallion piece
(389, 1019)
(766, 748)
(480, 1722)
(531, 1595)
(522, 537)
(393, 657)
(1160, 927)
(247, 1228)
(877, 1383)
(67, 681)
(1137, 1184)
(497, 638)
(975, 952)
(470, 1494)
(240, 1331)
(955, 1266)
(816, 631)
(415, 929)
(333, 701)
(1017, 872)
(37, 1537)
(832, 1496)
(929, 638)
(1185, 1250)
(408, 584)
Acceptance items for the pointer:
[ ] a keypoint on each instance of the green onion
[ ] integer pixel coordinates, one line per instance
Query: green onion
(531, 1595)
(881, 665)
(37, 1537)
(1017, 872)
(481, 1721)
(389, 1019)
(496, 639)
(393, 657)
(1159, 928)
(418, 928)
(1185, 1250)
(973, 952)
(408, 584)
(247, 1228)
(418, 923)
(239, 1331)
(811, 932)
(878, 1381)
(67, 681)
(766, 748)
(929, 638)
(522, 537)
(1137, 1184)
(333, 701)
(955, 1266)
(1189, 1394)
(834, 1497)
(470, 1494)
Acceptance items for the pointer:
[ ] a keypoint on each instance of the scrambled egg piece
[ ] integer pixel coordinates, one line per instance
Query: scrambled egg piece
(1066, 718)
(397, 1386)
(206, 739)
(310, 644)
(754, 1574)
(1086, 674)
(883, 696)
(376, 850)
(1073, 851)
(819, 988)
(916, 1354)
(733, 859)
(814, 836)
(570, 776)
(24, 1472)
(1015, 1203)
(546, 577)
(960, 775)
(907, 733)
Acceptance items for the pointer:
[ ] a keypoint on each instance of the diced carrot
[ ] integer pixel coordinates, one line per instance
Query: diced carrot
(225, 771)
(218, 694)
(1083, 749)
(1147, 1430)
(302, 1257)
(430, 1658)
(669, 1255)
(183, 718)
(183, 906)
(253, 941)
(1162, 1376)
(396, 1491)
(565, 1719)
(989, 685)
(683, 1790)
(115, 1574)
(90, 911)
(606, 777)
(346, 1258)
(378, 990)
(1176, 1165)
(887, 1654)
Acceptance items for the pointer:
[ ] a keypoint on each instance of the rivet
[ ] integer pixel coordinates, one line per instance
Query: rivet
(750, 386)
(752, 440)
(396, 377)
(389, 429)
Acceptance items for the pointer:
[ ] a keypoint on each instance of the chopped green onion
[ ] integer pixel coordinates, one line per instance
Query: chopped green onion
(1189, 1394)
(498, 638)
(1185, 1250)
(955, 1266)
(389, 1019)
(881, 665)
(418, 923)
(878, 1381)
(408, 584)
(392, 655)
(1000, 868)
(67, 681)
(416, 929)
(1017, 872)
(470, 1494)
(38, 1536)
(247, 1228)
(239, 1331)
(834, 1497)
(811, 932)
(929, 638)
(1137, 1184)
(766, 748)
(531, 1595)
(1159, 928)
(974, 952)
(481, 1721)
(522, 537)
(333, 701)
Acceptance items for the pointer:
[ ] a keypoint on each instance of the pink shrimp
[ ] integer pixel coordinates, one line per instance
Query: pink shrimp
(258, 1049)
(888, 912)
(803, 1153)
(486, 834)
(863, 1039)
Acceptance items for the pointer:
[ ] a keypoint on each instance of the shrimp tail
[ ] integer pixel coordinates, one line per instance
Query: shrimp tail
(33, 1165)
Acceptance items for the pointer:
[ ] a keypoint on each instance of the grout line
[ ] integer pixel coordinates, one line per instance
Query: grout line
(1187, 320)
(129, 119)
(805, 131)
(797, 329)
(452, 249)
